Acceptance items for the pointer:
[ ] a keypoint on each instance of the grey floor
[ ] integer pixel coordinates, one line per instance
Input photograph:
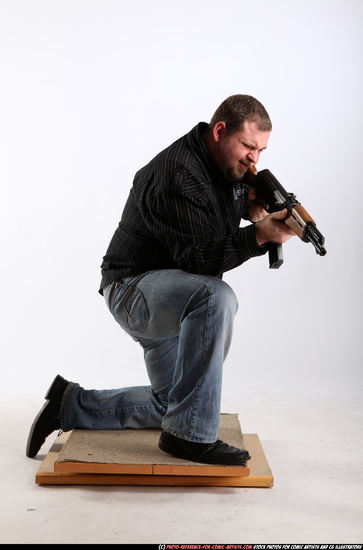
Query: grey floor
(314, 450)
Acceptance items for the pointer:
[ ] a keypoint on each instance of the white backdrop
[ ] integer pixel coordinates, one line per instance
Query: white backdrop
(90, 91)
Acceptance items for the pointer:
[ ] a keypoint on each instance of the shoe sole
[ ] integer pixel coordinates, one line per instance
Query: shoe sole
(51, 393)
(31, 453)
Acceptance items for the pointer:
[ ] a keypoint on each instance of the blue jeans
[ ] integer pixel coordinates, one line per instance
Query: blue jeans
(183, 322)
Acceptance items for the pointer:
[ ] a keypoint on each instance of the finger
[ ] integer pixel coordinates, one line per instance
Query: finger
(251, 194)
(280, 214)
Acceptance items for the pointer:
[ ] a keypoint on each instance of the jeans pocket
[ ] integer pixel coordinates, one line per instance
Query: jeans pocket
(129, 309)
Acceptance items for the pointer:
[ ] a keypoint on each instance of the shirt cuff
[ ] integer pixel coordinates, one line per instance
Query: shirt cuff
(249, 244)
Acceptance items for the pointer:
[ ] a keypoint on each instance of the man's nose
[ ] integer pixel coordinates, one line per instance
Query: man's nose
(253, 156)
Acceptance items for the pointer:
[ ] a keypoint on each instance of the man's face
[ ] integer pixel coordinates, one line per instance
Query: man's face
(235, 153)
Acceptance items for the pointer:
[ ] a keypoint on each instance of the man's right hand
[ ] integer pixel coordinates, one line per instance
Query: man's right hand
(273, 229)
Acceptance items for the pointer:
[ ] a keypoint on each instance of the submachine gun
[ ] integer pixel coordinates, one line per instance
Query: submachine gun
(274, 197)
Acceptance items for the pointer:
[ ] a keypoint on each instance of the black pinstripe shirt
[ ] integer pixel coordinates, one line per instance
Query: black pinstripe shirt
(181, 213)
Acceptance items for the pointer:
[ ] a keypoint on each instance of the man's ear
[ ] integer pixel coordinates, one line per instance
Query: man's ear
(219, 131)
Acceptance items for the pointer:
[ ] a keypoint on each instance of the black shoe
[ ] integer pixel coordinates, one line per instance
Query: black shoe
(48, 418)
(207, 453)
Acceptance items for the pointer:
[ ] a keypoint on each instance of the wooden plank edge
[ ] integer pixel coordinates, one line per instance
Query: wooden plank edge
(151, 469)
(51, 478)
(100, 468)
(195, 470)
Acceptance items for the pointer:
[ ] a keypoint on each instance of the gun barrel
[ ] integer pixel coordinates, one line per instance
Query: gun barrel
(313, 235)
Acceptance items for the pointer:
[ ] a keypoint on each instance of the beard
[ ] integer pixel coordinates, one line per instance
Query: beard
(235, 173)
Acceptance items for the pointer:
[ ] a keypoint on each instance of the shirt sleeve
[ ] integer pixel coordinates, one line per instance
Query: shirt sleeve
(181, 218)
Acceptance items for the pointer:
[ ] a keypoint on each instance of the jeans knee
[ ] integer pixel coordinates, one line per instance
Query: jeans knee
(215, 295)
(224, 296)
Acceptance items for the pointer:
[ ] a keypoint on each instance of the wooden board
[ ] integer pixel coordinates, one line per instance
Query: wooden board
(260, 474)
(137, 452)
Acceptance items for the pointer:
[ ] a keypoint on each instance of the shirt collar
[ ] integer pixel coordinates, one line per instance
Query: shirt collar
(199, 148)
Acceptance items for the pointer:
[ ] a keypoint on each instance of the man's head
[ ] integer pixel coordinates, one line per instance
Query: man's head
(238, 132)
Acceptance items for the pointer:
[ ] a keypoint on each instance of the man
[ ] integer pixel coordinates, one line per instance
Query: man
(162, 281)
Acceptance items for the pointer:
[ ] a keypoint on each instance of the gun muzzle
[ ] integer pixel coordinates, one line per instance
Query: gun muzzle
(313, 235)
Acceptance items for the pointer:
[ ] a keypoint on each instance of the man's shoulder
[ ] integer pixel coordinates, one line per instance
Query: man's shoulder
(183, 151)
(181, 167)
(184, 158)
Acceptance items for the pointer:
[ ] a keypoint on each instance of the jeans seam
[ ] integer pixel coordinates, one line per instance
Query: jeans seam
(203, 283)
(206, 327)
(132, 288)
(107, 412)
(194, 409)
(195, 405)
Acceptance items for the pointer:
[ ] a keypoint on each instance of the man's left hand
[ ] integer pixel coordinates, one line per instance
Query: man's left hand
(256, 211)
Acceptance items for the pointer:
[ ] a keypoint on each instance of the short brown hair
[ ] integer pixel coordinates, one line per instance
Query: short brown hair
(237, 108)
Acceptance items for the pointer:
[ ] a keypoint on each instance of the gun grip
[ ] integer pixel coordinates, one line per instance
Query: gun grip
(275, 255)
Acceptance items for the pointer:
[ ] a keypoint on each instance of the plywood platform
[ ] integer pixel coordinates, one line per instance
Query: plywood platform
(132, 457)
